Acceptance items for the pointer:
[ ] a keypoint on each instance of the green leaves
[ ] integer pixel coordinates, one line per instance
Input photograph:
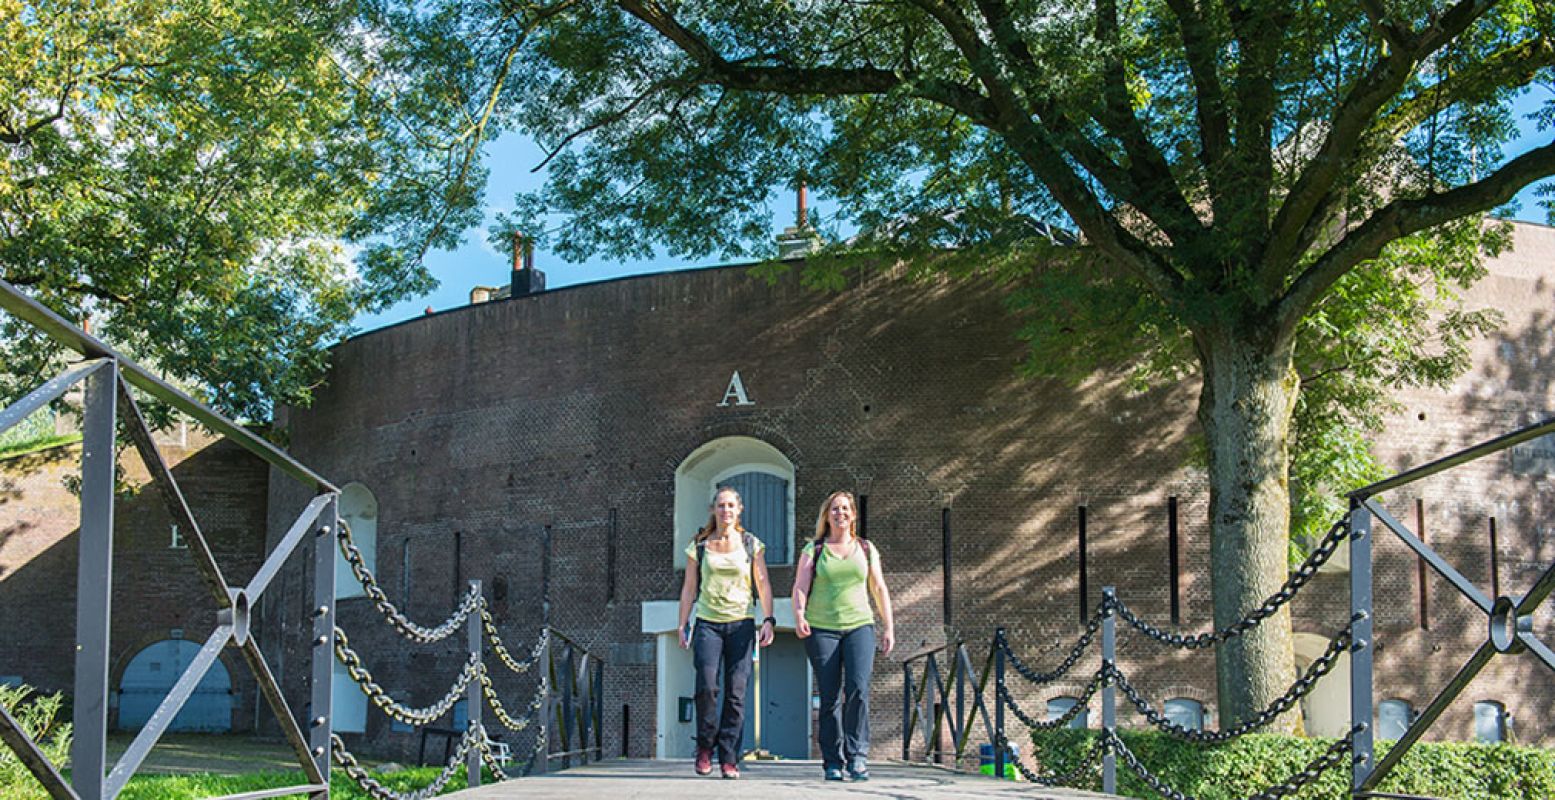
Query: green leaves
(194, 177)
(1253, 763)
(41, 718)
(1394, 323)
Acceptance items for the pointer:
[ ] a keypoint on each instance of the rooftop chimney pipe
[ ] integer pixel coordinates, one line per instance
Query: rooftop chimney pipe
(526, 279)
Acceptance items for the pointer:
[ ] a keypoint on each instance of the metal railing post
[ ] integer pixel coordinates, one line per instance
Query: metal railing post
(94, 582)
(321, 718)
(473, 699)
(1362, 761)
(998, 705)
(906, 710)
(958, 729)
(1109, 705)
(566, 720)
(599, 711)
(547, 665)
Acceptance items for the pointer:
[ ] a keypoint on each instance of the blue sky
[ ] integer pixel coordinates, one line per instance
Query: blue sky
(512, 158)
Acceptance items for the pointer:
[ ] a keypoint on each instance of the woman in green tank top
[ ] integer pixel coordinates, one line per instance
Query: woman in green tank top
(837, 576)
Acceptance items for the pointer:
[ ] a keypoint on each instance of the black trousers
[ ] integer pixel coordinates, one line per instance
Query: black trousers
(721, 652)
(843, 662)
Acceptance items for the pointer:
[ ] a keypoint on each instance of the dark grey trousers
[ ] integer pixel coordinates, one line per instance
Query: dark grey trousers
(843, 662)
(721, 652)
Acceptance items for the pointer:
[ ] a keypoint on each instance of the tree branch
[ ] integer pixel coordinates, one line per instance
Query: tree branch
(1242, 207)
(1200, 49)
(1157, 193)
(1396, 35)
(825, 81)
(1407, 216)
(1513, 66)
(1353, 118)
(1136, 186)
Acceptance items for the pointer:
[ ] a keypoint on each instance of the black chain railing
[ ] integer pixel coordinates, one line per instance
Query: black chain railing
(928, 697)
(474, 684)
(468, 604)
(1303, 574)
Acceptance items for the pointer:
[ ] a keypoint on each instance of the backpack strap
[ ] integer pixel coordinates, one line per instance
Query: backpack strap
(701, 559)
(749, 541)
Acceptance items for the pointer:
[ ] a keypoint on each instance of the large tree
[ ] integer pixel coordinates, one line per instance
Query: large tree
(1230, 165)
(196, 177)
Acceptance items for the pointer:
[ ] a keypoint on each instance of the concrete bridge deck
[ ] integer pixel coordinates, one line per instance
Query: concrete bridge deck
(766, 780)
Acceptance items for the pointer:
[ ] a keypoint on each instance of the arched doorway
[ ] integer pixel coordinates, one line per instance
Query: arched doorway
(763, 476)
(780, 690)
(1327, 709)
(359, 510)
(151, 675)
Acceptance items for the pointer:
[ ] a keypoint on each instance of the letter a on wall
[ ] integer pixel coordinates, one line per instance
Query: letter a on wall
(736, 392)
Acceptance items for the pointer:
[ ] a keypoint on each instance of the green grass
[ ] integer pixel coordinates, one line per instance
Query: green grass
(35, 445)
(189, 787)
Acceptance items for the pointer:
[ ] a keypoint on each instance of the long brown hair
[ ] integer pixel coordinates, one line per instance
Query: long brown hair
(712, 518)
(821, 525)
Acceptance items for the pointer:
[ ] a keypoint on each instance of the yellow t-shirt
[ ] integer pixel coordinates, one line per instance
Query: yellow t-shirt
(839, 593)
(726, 582)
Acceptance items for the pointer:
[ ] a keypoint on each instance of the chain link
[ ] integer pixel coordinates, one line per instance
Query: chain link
(380, 697)
(1303, 574)
(406, 627)
(502, 713)
(357, 773)
(501, 650)
(1068, 663)
(1329, 759)
(1087, 763)
(490, 760)
(1080, 706)
(1301, 688)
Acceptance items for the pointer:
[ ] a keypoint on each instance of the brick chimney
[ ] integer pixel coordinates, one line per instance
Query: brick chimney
(526, 279)
(800, 240)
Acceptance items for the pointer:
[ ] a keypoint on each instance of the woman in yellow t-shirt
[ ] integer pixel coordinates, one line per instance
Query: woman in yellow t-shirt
(838, 574)
(724, 564)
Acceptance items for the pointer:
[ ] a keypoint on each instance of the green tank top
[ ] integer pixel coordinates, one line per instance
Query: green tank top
(725, 583)
(839, 592)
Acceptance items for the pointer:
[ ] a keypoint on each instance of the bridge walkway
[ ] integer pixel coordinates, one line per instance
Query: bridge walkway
(643, 779)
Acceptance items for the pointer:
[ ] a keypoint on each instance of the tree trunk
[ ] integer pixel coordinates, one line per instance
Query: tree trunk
(1249, 396)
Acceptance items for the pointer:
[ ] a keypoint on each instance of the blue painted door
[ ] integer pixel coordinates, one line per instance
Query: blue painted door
(784, 702)
(151, 675)
(766, 511)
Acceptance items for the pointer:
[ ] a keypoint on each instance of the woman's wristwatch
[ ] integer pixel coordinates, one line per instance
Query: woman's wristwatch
(772, 620)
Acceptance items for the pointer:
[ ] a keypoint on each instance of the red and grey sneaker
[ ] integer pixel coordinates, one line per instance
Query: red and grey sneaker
(704, 760)
(731, 772)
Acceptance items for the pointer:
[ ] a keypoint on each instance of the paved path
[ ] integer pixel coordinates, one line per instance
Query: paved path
(769, 780)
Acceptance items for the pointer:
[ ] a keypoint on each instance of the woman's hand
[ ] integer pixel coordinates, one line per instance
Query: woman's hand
(765, 637)
(685, 642)
(801, 627)
(887, 641)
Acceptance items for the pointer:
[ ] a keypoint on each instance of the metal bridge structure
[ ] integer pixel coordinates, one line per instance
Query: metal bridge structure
(947, 696)
(562, 717)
